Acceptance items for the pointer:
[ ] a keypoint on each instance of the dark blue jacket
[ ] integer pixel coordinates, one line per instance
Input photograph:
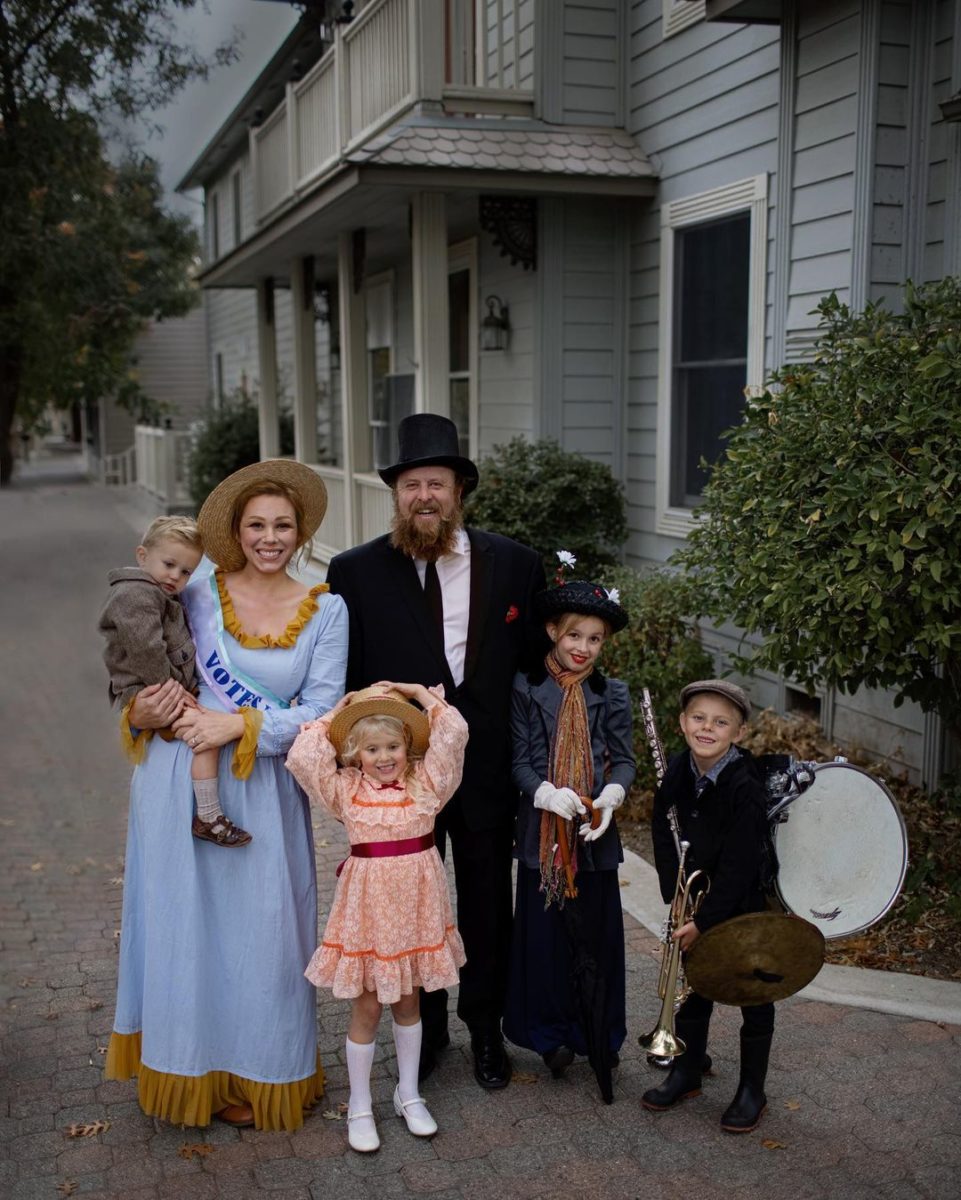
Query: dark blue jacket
(534, 706)
(725, 827)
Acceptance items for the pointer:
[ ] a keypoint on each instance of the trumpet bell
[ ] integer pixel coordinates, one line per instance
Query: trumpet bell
(662, 1043)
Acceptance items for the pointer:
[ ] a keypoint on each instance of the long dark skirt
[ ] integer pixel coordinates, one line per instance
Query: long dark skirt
(541, 1012)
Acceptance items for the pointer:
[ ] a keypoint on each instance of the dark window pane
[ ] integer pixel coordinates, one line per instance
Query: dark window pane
(458, 299)
(712, 282)
(460, 412)
(712, 276)
(707, 401)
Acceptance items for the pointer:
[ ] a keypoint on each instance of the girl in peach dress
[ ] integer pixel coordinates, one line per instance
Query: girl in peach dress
(391, 928)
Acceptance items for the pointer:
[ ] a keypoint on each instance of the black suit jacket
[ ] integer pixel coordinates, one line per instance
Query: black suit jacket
(392, 637)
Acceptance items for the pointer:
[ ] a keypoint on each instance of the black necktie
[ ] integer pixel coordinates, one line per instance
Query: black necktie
(435, 599)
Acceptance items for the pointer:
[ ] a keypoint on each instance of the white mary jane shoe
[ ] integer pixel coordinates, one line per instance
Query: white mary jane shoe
(419, 1125)
(362, 1138)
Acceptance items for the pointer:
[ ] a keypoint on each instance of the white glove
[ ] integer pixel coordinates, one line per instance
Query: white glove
(563, 801)
(591, 835)
(612, 796)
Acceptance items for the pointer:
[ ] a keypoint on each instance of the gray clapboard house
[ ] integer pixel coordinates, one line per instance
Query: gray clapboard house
(594, 220)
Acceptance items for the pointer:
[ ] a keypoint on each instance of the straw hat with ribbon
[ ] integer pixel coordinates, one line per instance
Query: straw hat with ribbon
(215, 520)
(378, 701)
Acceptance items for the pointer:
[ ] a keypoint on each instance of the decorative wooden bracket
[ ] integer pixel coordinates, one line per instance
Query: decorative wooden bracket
(512, 223)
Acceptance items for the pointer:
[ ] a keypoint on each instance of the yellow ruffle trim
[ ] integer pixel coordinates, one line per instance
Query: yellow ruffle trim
(193, 1099)
(308, 606)
(134, 747)
(245, 752)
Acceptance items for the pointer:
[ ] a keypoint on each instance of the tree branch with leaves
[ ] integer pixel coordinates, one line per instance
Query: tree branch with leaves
(830, 527)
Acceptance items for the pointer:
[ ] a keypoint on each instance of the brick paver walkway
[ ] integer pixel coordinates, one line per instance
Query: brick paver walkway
(861, 1104)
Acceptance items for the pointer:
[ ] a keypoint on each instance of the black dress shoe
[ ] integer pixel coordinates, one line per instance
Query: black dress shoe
(430, 1052)
(492, 1067)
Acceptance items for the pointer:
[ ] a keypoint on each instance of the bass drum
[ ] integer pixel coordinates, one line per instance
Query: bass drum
(843, 851)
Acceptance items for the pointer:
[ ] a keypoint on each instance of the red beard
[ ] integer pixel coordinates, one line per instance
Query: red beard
(429, 544)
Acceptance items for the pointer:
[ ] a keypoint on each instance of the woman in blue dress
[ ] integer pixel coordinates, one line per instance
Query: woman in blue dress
(214, 1015)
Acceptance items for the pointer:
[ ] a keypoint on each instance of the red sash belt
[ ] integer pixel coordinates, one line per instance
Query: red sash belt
(412, 845)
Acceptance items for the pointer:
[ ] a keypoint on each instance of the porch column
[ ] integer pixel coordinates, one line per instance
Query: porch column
(305, 359)
(353, 383)
(267, 358)
(431, 319)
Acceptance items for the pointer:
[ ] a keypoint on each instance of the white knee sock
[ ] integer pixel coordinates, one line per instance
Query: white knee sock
(206, 799)
(360, 1058)
(407, 1039)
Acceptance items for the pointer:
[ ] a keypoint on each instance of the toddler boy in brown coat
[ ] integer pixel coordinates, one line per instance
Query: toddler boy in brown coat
(148, 642)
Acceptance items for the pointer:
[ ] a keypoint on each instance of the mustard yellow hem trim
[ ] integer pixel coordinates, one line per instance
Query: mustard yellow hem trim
(288, 639)
(193, 1099)
(134, 747)
(245, 752)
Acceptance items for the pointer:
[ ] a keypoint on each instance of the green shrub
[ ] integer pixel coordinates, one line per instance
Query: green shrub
(229, 440)
(659, 650)
(551, 499)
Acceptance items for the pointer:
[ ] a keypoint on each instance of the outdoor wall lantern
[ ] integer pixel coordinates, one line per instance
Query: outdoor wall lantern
(495, 327)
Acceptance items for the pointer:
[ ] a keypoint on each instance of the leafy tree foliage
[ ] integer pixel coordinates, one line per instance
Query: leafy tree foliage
(229, 440)
(87, 253)
(551, 499)
(660, 649)
(831, 526)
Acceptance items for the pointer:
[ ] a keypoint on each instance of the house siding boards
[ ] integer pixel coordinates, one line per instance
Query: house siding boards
(506, 377)
(591, 87)
(169, 359)
(703, 105)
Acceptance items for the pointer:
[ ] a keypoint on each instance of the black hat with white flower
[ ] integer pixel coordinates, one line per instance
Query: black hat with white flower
(579, 596)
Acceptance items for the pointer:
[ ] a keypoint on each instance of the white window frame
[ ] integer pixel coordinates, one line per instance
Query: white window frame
(462, 256)
(383, 282)
(747, 195)
(679, 14)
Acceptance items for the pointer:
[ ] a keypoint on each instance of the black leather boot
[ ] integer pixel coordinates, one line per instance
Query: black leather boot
(684, 1079)
(746, 1109)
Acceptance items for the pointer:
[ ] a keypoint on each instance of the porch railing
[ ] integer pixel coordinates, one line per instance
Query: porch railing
(394, 54)
(161, 465)
(372, 509)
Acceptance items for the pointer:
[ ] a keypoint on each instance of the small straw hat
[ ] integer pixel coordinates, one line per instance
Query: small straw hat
(378, 701)
(216, 515)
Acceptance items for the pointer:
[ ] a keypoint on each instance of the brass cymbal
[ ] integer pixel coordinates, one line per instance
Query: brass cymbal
(755, 958)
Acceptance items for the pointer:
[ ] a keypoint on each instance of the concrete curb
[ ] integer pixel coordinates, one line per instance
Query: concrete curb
(883, 991)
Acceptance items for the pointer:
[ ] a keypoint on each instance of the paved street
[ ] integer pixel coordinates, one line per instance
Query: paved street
(861, 1104)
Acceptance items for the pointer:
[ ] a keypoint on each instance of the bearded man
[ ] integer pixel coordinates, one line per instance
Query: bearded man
(432, 602)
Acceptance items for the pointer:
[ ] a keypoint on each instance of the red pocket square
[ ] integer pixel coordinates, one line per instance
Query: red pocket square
(512, 614)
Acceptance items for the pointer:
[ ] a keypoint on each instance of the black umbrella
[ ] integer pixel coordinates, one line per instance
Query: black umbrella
(587, 977)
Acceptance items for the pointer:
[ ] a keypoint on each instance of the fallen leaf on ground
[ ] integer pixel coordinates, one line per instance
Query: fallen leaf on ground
(94, 1005)
(87, 1129)
(38, 866)
(335, 1114)
(771, 1144)
(117, 880)
(28, 981)
(195, 1149)
(7, 823)
(323, 842)
(793, 1105)
(624, 882)
(67, 1188)
(74, 870)
(523, 1077)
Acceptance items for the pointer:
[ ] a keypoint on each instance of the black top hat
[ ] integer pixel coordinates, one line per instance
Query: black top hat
(426, 440)
(580, 596)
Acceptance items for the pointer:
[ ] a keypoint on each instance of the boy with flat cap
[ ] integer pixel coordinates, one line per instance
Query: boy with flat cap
(719, 800)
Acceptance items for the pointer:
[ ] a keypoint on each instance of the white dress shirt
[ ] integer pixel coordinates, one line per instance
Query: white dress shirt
(453, 571)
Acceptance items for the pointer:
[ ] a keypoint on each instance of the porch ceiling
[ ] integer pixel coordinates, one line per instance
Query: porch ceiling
(374, 188)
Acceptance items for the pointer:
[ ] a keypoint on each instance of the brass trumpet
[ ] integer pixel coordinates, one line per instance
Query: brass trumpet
(662, 1041)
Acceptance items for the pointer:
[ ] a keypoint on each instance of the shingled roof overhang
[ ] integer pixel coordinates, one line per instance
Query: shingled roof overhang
(487, 156)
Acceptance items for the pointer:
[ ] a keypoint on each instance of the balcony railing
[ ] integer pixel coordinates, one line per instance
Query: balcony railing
(372, 510)
(394, 54)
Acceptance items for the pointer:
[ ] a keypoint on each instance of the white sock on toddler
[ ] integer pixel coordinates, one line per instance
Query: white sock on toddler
(360, 1059)
(207, 799)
